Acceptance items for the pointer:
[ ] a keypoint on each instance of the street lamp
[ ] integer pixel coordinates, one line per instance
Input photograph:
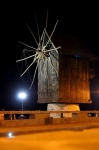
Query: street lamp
(22, 96)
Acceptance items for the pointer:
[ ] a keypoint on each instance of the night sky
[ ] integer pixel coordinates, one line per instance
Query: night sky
(79, 19)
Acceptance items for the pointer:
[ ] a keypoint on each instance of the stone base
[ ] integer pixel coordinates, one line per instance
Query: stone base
(62, 107)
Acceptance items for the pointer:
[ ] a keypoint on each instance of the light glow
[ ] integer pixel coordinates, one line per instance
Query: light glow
(22, 95)
(10, 135)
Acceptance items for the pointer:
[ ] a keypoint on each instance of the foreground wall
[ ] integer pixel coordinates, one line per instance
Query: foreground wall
(43, 118)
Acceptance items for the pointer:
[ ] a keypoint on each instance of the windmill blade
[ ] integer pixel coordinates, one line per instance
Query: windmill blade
(28, 50)
(50, 41)
(25, 58)
(32, 34)
(42, 39)
(37, 27)
(46, 20)
(25, 63)
(52, 49)
(53, 29)
(29, 66)
(28, 45)
(51, 33)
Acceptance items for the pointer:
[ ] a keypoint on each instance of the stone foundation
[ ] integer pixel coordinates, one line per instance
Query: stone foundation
(62, 107)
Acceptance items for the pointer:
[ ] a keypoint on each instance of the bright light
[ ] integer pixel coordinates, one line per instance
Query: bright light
(10, 135)
(22, 95)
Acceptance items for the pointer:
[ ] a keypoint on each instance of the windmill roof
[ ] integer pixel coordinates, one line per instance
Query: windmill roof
(73, 46)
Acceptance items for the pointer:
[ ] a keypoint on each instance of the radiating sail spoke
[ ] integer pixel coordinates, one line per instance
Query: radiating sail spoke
(45, 57)
(51, 34)
(29, 66)
(32, 33)
(37, 28)
(51, 41)
(46, 20)
(28, 45)
(52, 49)
(28, 50)
(43, 40)
(25, 58)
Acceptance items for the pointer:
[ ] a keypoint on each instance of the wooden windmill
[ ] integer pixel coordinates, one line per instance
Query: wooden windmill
(63, 71)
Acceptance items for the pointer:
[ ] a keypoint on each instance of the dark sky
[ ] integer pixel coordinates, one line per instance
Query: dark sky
(80, 19)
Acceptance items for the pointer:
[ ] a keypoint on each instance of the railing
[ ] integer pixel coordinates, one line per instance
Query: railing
(30, 118)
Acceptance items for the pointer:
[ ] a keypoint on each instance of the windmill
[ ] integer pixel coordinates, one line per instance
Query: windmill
(63, 72)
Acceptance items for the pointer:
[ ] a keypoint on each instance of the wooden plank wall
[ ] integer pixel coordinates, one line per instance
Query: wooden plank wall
(74, 80)
(48, 85)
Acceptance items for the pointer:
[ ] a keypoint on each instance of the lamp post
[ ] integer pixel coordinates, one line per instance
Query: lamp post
(22, 96)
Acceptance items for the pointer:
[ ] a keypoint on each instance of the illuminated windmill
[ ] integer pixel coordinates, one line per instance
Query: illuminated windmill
(63, 71)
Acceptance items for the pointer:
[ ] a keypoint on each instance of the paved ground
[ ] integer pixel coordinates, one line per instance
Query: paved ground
(62, 137)
(45, 128)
